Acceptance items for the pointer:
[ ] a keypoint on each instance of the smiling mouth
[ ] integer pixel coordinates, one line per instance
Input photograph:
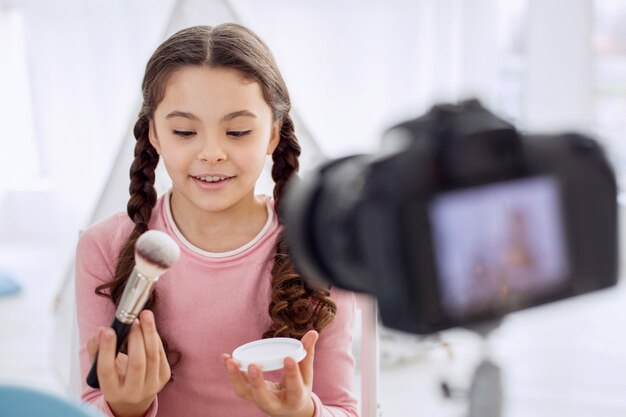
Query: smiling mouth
(211, 178)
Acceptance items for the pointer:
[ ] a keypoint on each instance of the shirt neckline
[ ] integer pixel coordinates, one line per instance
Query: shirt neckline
(217, 255)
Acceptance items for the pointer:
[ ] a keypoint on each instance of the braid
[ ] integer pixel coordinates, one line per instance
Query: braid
(143, 197)
(295, 306)
(285, 158)
(139, 208)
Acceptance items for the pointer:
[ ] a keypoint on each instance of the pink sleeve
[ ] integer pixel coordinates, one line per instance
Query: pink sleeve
(93, 267)
(333, 368)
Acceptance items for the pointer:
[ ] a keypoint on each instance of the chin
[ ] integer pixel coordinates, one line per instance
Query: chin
(214, 203)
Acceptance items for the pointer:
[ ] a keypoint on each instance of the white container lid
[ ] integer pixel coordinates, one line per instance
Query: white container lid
(269, 354)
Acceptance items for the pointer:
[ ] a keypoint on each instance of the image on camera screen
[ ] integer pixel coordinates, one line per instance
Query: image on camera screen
(498, 246)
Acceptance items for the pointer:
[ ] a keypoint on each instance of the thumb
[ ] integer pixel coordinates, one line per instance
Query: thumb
(306, 365)
(309, 340)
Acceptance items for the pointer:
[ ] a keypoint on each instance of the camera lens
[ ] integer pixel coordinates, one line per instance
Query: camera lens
(321, 224)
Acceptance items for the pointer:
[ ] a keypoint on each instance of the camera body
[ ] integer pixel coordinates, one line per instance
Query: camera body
(459, 219)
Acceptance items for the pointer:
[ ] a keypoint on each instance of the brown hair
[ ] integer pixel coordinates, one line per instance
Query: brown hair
(295, 306)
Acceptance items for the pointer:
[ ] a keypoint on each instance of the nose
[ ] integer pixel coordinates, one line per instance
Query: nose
(211, 151)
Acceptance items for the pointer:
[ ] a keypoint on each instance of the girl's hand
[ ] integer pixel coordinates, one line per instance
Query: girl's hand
(291, 397)
(130, 382)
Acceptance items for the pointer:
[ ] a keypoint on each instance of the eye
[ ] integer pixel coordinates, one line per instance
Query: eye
(184, 133)
(238, 133)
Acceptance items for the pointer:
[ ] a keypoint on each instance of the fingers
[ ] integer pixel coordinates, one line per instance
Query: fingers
(306, 365)
(165, 372)
(93, 343)
(121, 363)
(236, 379)
(291, 394)
(136, 370)
(225, 357)
(132, 379)
(152, 345)
(299, 377)
(294, 384)
(107, 373)
(260, 392)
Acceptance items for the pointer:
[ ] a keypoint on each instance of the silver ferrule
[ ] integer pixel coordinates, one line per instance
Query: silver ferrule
(136, 293)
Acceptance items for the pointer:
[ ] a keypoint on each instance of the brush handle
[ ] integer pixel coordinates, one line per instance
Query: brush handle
(121, 331)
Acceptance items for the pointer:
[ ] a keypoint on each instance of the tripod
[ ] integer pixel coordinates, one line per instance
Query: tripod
(485, 394)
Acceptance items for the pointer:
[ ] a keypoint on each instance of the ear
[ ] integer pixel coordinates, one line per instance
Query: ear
(275, 138)
(152, 136)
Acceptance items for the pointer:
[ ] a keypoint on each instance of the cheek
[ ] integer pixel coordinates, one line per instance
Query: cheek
(253, 159)
(176, 161)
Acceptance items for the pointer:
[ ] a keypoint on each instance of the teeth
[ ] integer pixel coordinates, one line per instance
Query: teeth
(211, 179)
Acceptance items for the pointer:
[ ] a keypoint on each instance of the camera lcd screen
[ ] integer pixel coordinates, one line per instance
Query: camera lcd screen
(498, 246)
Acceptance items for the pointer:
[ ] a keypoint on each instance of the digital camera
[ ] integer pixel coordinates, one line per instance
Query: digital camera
(458, 219)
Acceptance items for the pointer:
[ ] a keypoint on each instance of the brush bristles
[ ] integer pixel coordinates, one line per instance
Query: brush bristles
(155, 252)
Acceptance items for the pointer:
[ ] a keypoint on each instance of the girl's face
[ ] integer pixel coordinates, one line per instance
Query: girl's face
(213, 130)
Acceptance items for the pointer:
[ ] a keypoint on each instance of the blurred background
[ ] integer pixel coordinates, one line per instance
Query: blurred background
(70, 75)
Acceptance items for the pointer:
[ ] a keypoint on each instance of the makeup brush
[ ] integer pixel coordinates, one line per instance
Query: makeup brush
(155, 252)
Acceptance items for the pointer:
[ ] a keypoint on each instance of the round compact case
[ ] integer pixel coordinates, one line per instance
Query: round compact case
(269, 354)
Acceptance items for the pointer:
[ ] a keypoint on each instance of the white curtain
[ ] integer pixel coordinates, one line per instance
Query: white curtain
(355, 68)
(19, 157)
(83, 67)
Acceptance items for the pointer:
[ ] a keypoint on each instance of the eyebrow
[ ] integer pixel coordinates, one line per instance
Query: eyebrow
(177, 113)
(229, 116)
(235, 114)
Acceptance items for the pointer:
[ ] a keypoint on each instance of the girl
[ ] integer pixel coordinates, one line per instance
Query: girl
(214, 105)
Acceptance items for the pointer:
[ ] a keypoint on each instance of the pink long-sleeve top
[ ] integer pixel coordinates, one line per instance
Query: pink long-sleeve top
(209, 304)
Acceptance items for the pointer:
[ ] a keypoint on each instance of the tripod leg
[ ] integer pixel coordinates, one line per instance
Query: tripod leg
(485, 399)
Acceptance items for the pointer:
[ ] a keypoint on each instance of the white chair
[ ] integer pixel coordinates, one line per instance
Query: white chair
(368, 365)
